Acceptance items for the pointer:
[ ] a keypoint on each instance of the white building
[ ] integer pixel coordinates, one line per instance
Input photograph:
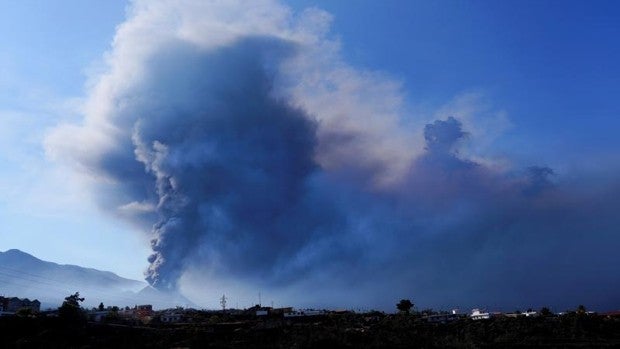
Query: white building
(307, 312)
(441, 318)
(476, 314)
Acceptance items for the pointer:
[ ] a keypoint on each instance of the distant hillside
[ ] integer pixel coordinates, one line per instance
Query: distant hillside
(23, 275)
(161, 299)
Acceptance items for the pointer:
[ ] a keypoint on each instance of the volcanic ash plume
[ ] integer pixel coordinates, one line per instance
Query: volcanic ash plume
(206, 132)
(234, 135)
(225, 160)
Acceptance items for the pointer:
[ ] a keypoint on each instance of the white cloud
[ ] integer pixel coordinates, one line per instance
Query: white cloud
(360, 112)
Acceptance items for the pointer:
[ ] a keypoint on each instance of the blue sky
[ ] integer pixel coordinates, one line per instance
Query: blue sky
(47, 52)
(534, 82)
(552, 66)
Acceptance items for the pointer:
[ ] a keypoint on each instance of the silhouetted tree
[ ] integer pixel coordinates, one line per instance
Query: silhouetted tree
(404, 305)
(581, 309)
(544, 311)
(101, 307)
(70, 309)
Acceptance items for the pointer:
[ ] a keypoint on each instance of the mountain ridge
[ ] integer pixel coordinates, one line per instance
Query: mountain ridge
(22, 254)
(24, 275)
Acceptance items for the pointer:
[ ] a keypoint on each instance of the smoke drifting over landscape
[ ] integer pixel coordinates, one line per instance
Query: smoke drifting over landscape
(236, 136)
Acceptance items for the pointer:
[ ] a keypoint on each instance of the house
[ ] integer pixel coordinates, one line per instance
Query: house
(441, 318)
(259, 310)
(4, 313)
(281, 311)
(126, 313)
(171, 317)
(516, 314)
(97, 316)
(303, 313)
(477, 314)
(13, 304)
(263, 311)
(143, 311)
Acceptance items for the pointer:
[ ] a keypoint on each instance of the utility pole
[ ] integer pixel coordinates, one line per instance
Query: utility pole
(259, 301)
(223, 303)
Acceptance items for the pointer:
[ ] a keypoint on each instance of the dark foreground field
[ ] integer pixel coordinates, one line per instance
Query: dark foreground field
(343, 331)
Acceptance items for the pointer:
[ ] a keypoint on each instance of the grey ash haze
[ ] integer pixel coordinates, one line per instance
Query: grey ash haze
(237, 151)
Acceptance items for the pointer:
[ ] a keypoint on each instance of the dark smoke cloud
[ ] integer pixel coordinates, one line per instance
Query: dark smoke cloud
(539, 179)
(505, 239)
(202, 147)
(229, 168)
(442, 135)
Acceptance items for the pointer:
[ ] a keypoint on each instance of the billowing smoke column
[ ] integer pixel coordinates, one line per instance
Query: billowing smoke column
(233, 162)
(223, 157)
(239, 140)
